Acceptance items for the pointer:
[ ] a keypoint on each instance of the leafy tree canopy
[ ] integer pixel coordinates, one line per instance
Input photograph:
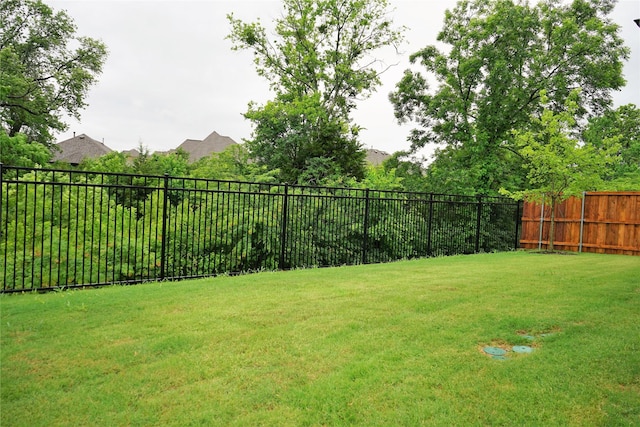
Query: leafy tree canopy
(46, 69)
(321, 46)
(174, 164)
(499, 56)
(623, 123)
(16, 151)
(319, 62)
(410, 171)
(233, 163)
(302, 141)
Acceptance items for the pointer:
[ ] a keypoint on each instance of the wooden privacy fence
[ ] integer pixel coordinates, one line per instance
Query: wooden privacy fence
(602, 222)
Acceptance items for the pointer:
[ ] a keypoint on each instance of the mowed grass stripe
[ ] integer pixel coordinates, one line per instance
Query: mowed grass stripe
(386, 344)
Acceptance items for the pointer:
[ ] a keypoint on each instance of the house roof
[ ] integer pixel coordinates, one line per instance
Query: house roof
(132, 154)
(78, 148)
(376, 157)
(214, 143)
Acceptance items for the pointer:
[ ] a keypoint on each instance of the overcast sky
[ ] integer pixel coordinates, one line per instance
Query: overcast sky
(171, 74)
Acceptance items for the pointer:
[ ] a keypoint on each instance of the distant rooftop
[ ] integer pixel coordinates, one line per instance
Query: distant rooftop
(214, 143)
(78, 148)
(376, 157)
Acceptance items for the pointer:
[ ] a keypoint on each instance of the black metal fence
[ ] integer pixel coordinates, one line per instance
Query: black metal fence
(62, 228)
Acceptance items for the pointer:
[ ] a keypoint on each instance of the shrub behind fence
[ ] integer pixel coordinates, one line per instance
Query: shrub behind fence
(75, 228)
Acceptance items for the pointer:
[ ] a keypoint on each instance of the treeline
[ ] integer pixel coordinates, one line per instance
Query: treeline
(469, 97)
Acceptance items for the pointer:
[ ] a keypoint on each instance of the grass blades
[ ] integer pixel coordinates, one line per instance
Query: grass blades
(386, 344)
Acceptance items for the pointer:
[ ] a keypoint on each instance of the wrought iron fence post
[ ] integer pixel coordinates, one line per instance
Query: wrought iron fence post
(4, 265)
(163, 250)
(519, 207)
(430, 224)
(1, 195)
(283, 230)
(365, 234)
(478, 223)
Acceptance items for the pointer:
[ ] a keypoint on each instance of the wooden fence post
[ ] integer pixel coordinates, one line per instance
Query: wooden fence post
(541, 225)
(584, 196)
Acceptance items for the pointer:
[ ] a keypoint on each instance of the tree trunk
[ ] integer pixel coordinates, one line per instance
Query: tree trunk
(15, 129)
(552, 225)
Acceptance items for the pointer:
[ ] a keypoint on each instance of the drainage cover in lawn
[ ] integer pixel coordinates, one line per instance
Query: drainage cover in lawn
(495, 351)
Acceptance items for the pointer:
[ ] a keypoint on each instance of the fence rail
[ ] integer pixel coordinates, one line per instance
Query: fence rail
(61, 228)
(602, 222)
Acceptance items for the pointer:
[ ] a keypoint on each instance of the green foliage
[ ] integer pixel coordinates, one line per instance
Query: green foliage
(17, 151)
(66, 228)
(557, 165)
(174, 164)
(115, 162)
(500, 55)
(302, 140)
(455, 171)
(623, 124)
(626, 182)
(410, 172)
(318, 64)
(220, 232)
(382, 177)
(233, 164)
(46, 70)
(67, 235)
(158, 164)
(321, 47)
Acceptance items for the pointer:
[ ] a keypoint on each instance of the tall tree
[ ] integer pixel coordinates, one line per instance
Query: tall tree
(319, 63)
(46, 69)
(500, 54)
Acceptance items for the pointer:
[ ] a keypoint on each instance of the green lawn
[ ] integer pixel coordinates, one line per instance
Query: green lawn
(389, 344)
